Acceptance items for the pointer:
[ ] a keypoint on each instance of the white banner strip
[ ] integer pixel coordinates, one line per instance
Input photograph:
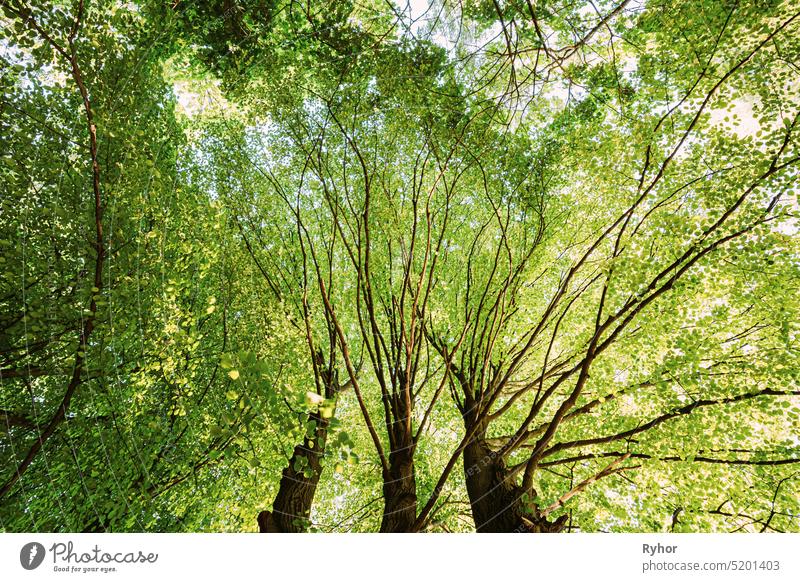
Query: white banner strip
(410, 558)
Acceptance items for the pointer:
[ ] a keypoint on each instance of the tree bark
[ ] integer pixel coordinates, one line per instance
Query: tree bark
(399, 493)
(400, 484)
(291, 509)
(498, 503)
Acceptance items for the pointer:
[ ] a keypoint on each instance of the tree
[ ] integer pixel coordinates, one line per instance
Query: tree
(496, 266)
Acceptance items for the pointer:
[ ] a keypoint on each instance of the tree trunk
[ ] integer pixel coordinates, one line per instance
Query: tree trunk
(498, 503)
(400, 484)
(399, 493)
(291, 509)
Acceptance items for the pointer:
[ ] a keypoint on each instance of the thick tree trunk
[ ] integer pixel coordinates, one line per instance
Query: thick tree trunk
(498, 503)
(292, 506)
(399, 493)
(291, 509)
(400, 484)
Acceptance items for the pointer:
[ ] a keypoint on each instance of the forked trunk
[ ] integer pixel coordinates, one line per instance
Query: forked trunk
(498, 503)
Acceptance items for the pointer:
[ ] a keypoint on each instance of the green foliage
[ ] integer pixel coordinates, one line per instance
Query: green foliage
(562, 215)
